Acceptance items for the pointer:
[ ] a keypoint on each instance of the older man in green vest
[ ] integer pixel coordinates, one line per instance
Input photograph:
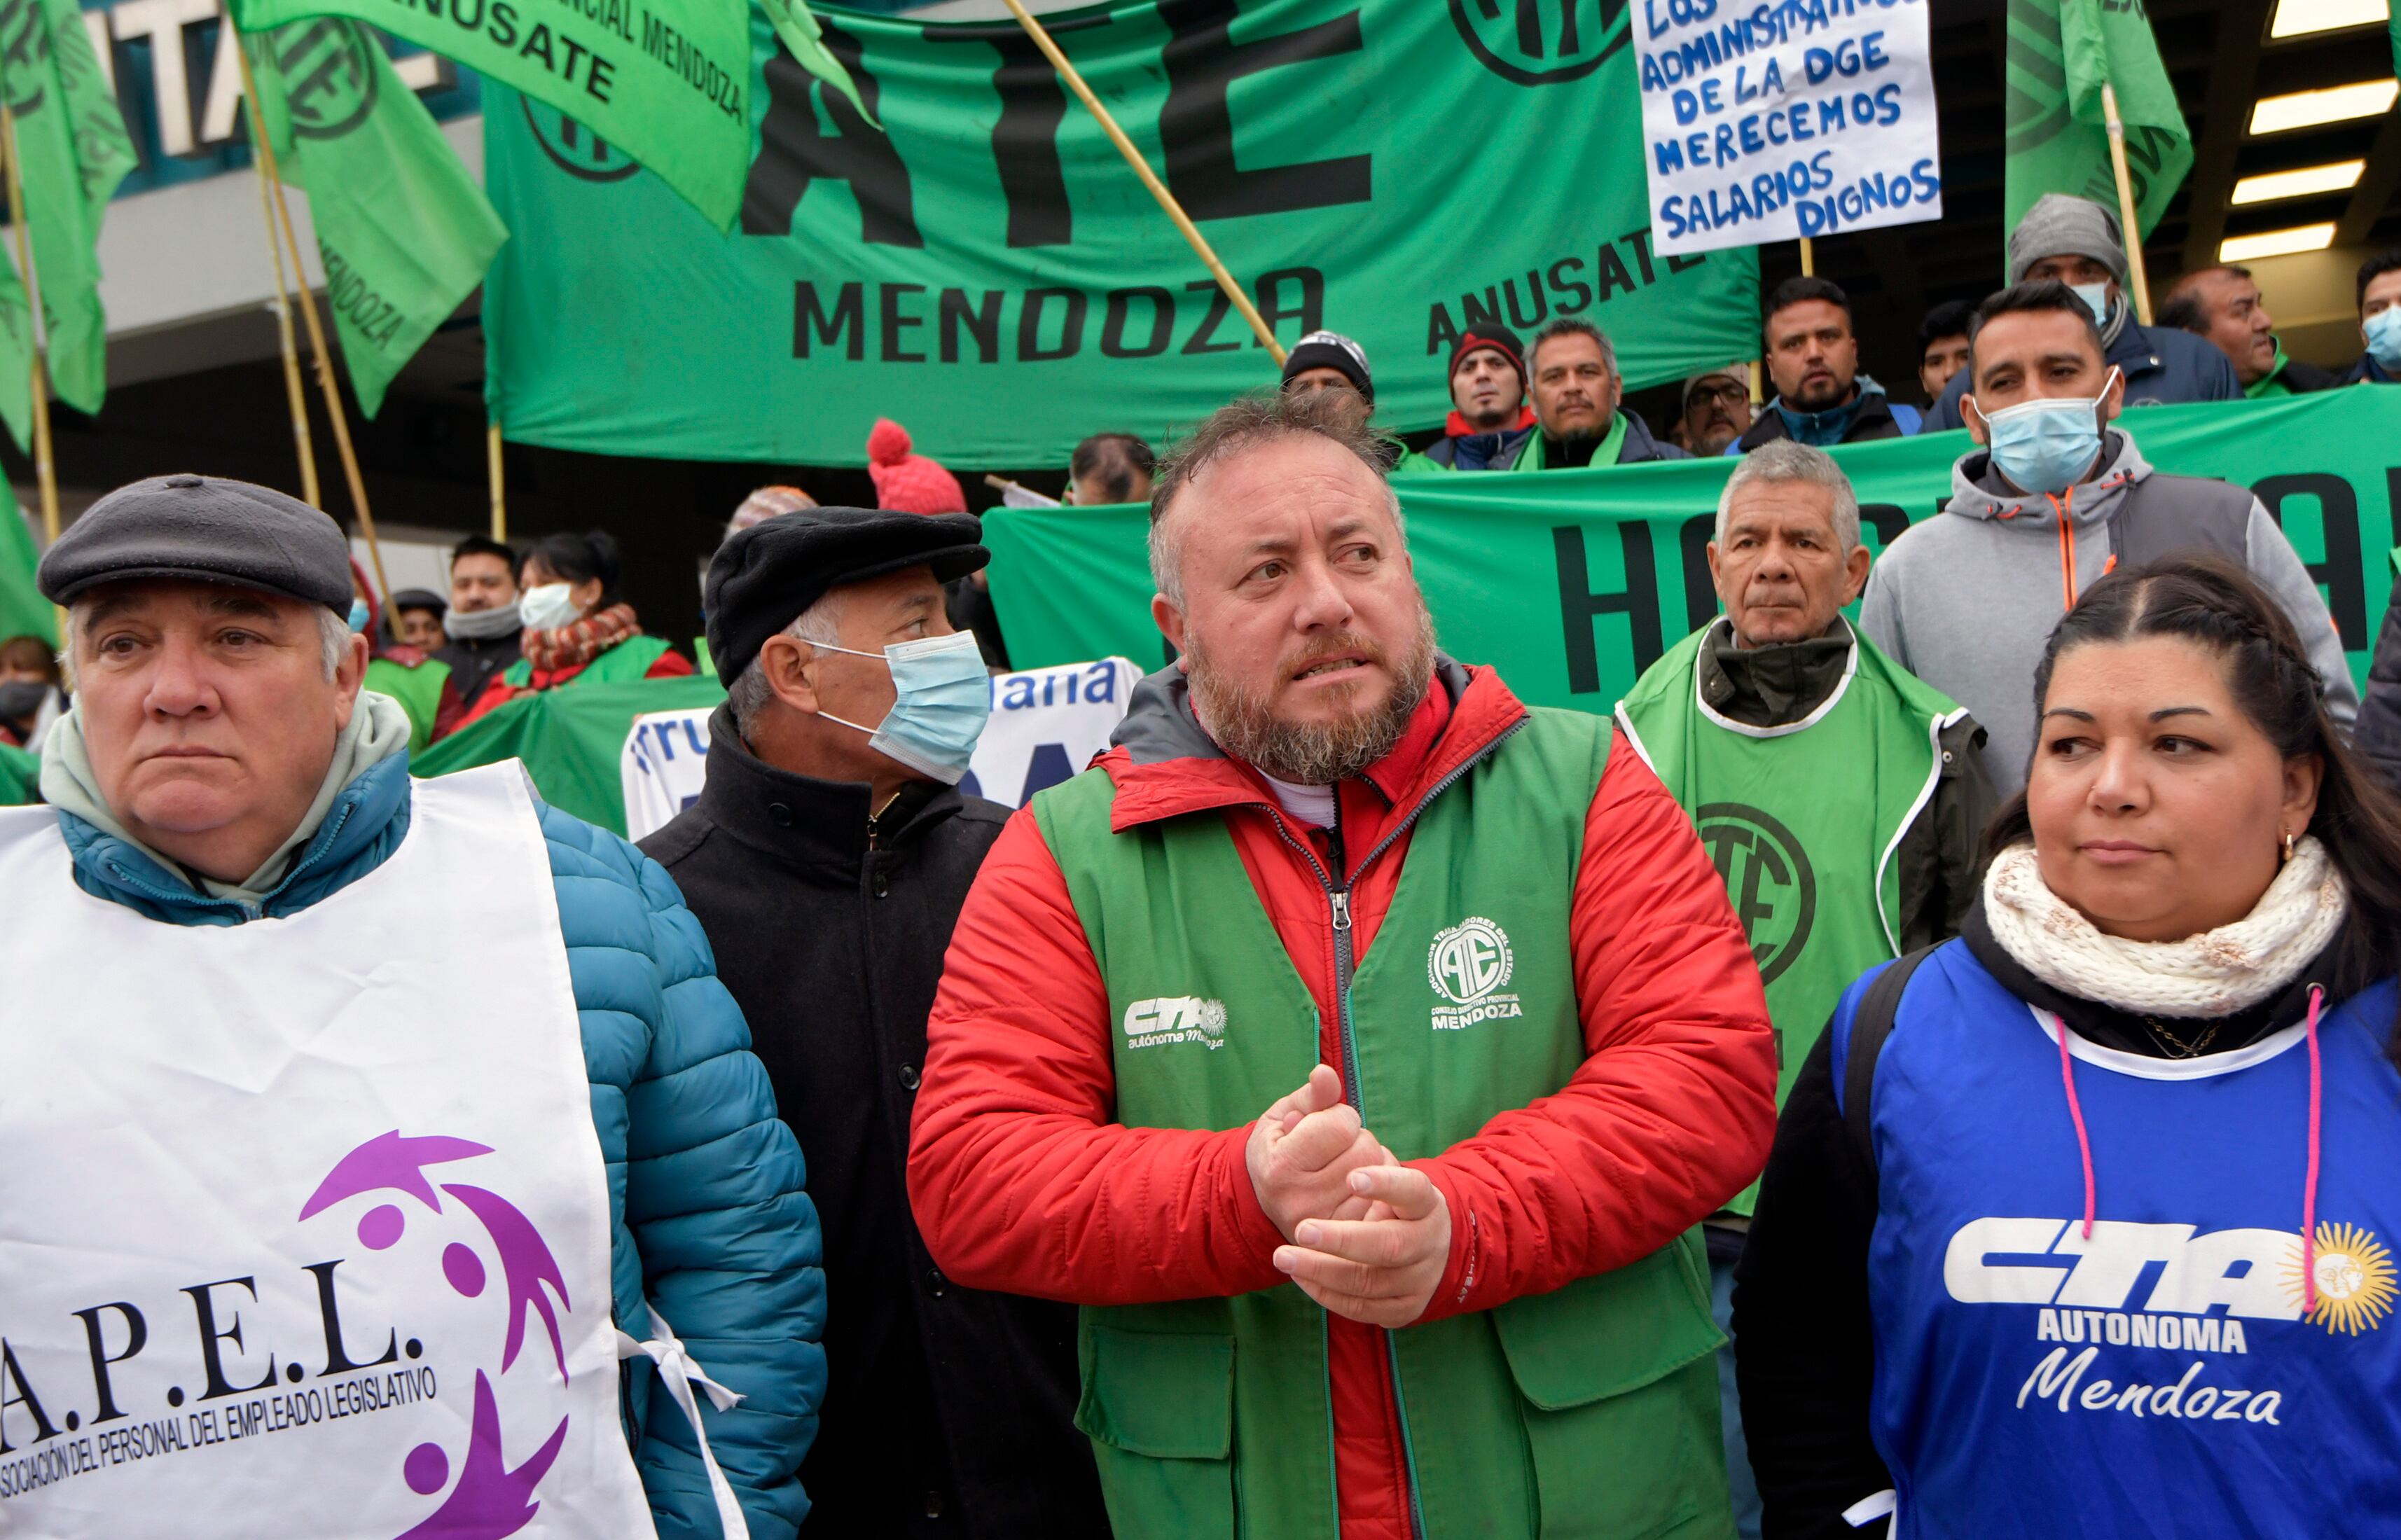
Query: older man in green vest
(1838, 794)
(1361, 1049)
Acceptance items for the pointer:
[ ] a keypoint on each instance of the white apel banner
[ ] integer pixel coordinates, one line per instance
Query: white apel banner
(1046, 724)
(1773, 121)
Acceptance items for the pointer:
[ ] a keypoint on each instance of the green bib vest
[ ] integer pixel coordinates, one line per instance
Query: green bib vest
(630, 659)
(1589, 1411)
(1796, 818)
(419, 690)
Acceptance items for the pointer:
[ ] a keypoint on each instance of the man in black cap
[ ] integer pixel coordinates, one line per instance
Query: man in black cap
(240, 916)
(1488, 416)
(416, 618)
(828, 856)
(1328, 362)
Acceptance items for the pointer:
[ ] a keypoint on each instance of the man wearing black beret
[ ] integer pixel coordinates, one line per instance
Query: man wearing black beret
(827, 857)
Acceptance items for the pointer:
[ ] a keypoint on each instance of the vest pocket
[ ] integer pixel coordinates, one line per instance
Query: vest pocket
(1620, 1400)
(1159, 1409)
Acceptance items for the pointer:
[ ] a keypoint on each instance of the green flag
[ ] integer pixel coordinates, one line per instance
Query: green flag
(666, 81)
(71, 152)
(801, 34)
(2060, 54)
(23, 611)
(404, 232)
(569, 740)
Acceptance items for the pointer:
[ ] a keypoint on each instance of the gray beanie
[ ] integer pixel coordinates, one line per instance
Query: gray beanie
(2059, 224)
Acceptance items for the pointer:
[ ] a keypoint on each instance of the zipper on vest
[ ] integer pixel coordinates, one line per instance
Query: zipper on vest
(1338, 902)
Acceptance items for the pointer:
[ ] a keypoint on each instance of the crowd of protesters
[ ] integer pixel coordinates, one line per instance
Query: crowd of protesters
(1810, 1112)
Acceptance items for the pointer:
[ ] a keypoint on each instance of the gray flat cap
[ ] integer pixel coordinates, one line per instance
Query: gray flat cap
(205, 527)
(2060, 225)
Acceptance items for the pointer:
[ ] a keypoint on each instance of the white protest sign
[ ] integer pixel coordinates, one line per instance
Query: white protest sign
(1799, 118)
(1046, 724)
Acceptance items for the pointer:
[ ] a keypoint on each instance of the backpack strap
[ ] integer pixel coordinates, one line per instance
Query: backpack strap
(1870, 1024)
(1909, 418)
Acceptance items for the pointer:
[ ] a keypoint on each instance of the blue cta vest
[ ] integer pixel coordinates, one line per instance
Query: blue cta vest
(2158, 1378)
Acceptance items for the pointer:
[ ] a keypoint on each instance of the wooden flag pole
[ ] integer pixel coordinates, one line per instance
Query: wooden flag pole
(1808, 259)
(295, 397)
(265, 149)
(492, 458)
(2133, 228)
(1149, 179)
(45, 475)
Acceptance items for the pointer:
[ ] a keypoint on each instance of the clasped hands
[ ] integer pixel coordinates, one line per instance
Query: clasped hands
(1368, 1237)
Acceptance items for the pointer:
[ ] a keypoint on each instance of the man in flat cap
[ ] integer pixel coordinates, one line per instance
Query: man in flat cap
(827, 857)
(384, 1116)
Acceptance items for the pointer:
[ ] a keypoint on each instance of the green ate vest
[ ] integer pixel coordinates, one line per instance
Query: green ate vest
(1589, 1411)
(1798, 818)
(630, 659)
(419, 690)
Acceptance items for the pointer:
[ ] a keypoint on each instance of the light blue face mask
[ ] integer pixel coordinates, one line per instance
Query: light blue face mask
(357, 616)
(942, 698)
(2046, 446)
(2096, 299)
(2384, 337)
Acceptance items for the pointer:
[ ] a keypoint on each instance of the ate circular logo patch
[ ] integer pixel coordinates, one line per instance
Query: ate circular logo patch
(329, 75)
(1768, 878)
(25, 42)
(575, 149)
(1468, 964)
(1540, 42)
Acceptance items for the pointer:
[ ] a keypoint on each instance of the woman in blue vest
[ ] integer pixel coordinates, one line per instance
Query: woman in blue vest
(2082, 1224)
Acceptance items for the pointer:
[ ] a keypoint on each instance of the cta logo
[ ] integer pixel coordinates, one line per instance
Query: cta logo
(1467, 965)
(1767, 875)
(1175, 1019)
(2253, 1273)
(1540, 42)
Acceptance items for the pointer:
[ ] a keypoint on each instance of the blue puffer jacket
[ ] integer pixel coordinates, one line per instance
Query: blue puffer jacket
(704, 1183)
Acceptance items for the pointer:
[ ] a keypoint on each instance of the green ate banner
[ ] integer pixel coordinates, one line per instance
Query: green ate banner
(989, 271)
(570, 740)
(1573, 582)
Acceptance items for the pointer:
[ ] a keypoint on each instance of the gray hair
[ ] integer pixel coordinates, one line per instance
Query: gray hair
(1781, 460)
(1567, 325)
(333, 635)
(819, 625)
(1246, 423)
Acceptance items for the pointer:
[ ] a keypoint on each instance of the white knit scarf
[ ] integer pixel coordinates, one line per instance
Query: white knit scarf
(2215, 973)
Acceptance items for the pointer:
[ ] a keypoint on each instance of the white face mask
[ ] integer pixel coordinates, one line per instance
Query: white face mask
(548, 606)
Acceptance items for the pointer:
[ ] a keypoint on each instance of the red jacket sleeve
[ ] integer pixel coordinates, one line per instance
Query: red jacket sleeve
(1672, 1112)
(1019, 1178)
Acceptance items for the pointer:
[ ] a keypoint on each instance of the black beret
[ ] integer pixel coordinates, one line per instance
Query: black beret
(205, 527)
(420, 598)
(762, 578)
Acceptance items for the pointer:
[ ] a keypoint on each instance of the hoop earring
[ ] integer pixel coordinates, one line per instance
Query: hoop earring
(2288, 848)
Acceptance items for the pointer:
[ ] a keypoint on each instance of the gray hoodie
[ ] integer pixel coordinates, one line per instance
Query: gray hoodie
(1966, 600)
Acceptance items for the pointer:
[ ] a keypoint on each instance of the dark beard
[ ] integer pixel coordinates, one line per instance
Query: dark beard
(1245, 725)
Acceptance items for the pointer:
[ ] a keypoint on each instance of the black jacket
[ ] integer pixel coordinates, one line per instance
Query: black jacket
(947, 1409)
(1875, 420)
(2378, 732)
(475, 665)
(1639, 447)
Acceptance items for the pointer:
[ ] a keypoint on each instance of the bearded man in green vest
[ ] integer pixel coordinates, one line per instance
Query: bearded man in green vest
(1841, 797)
(1360, 1049)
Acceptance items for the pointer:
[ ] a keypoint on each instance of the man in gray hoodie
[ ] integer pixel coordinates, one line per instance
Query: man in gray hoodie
(2054, 500)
